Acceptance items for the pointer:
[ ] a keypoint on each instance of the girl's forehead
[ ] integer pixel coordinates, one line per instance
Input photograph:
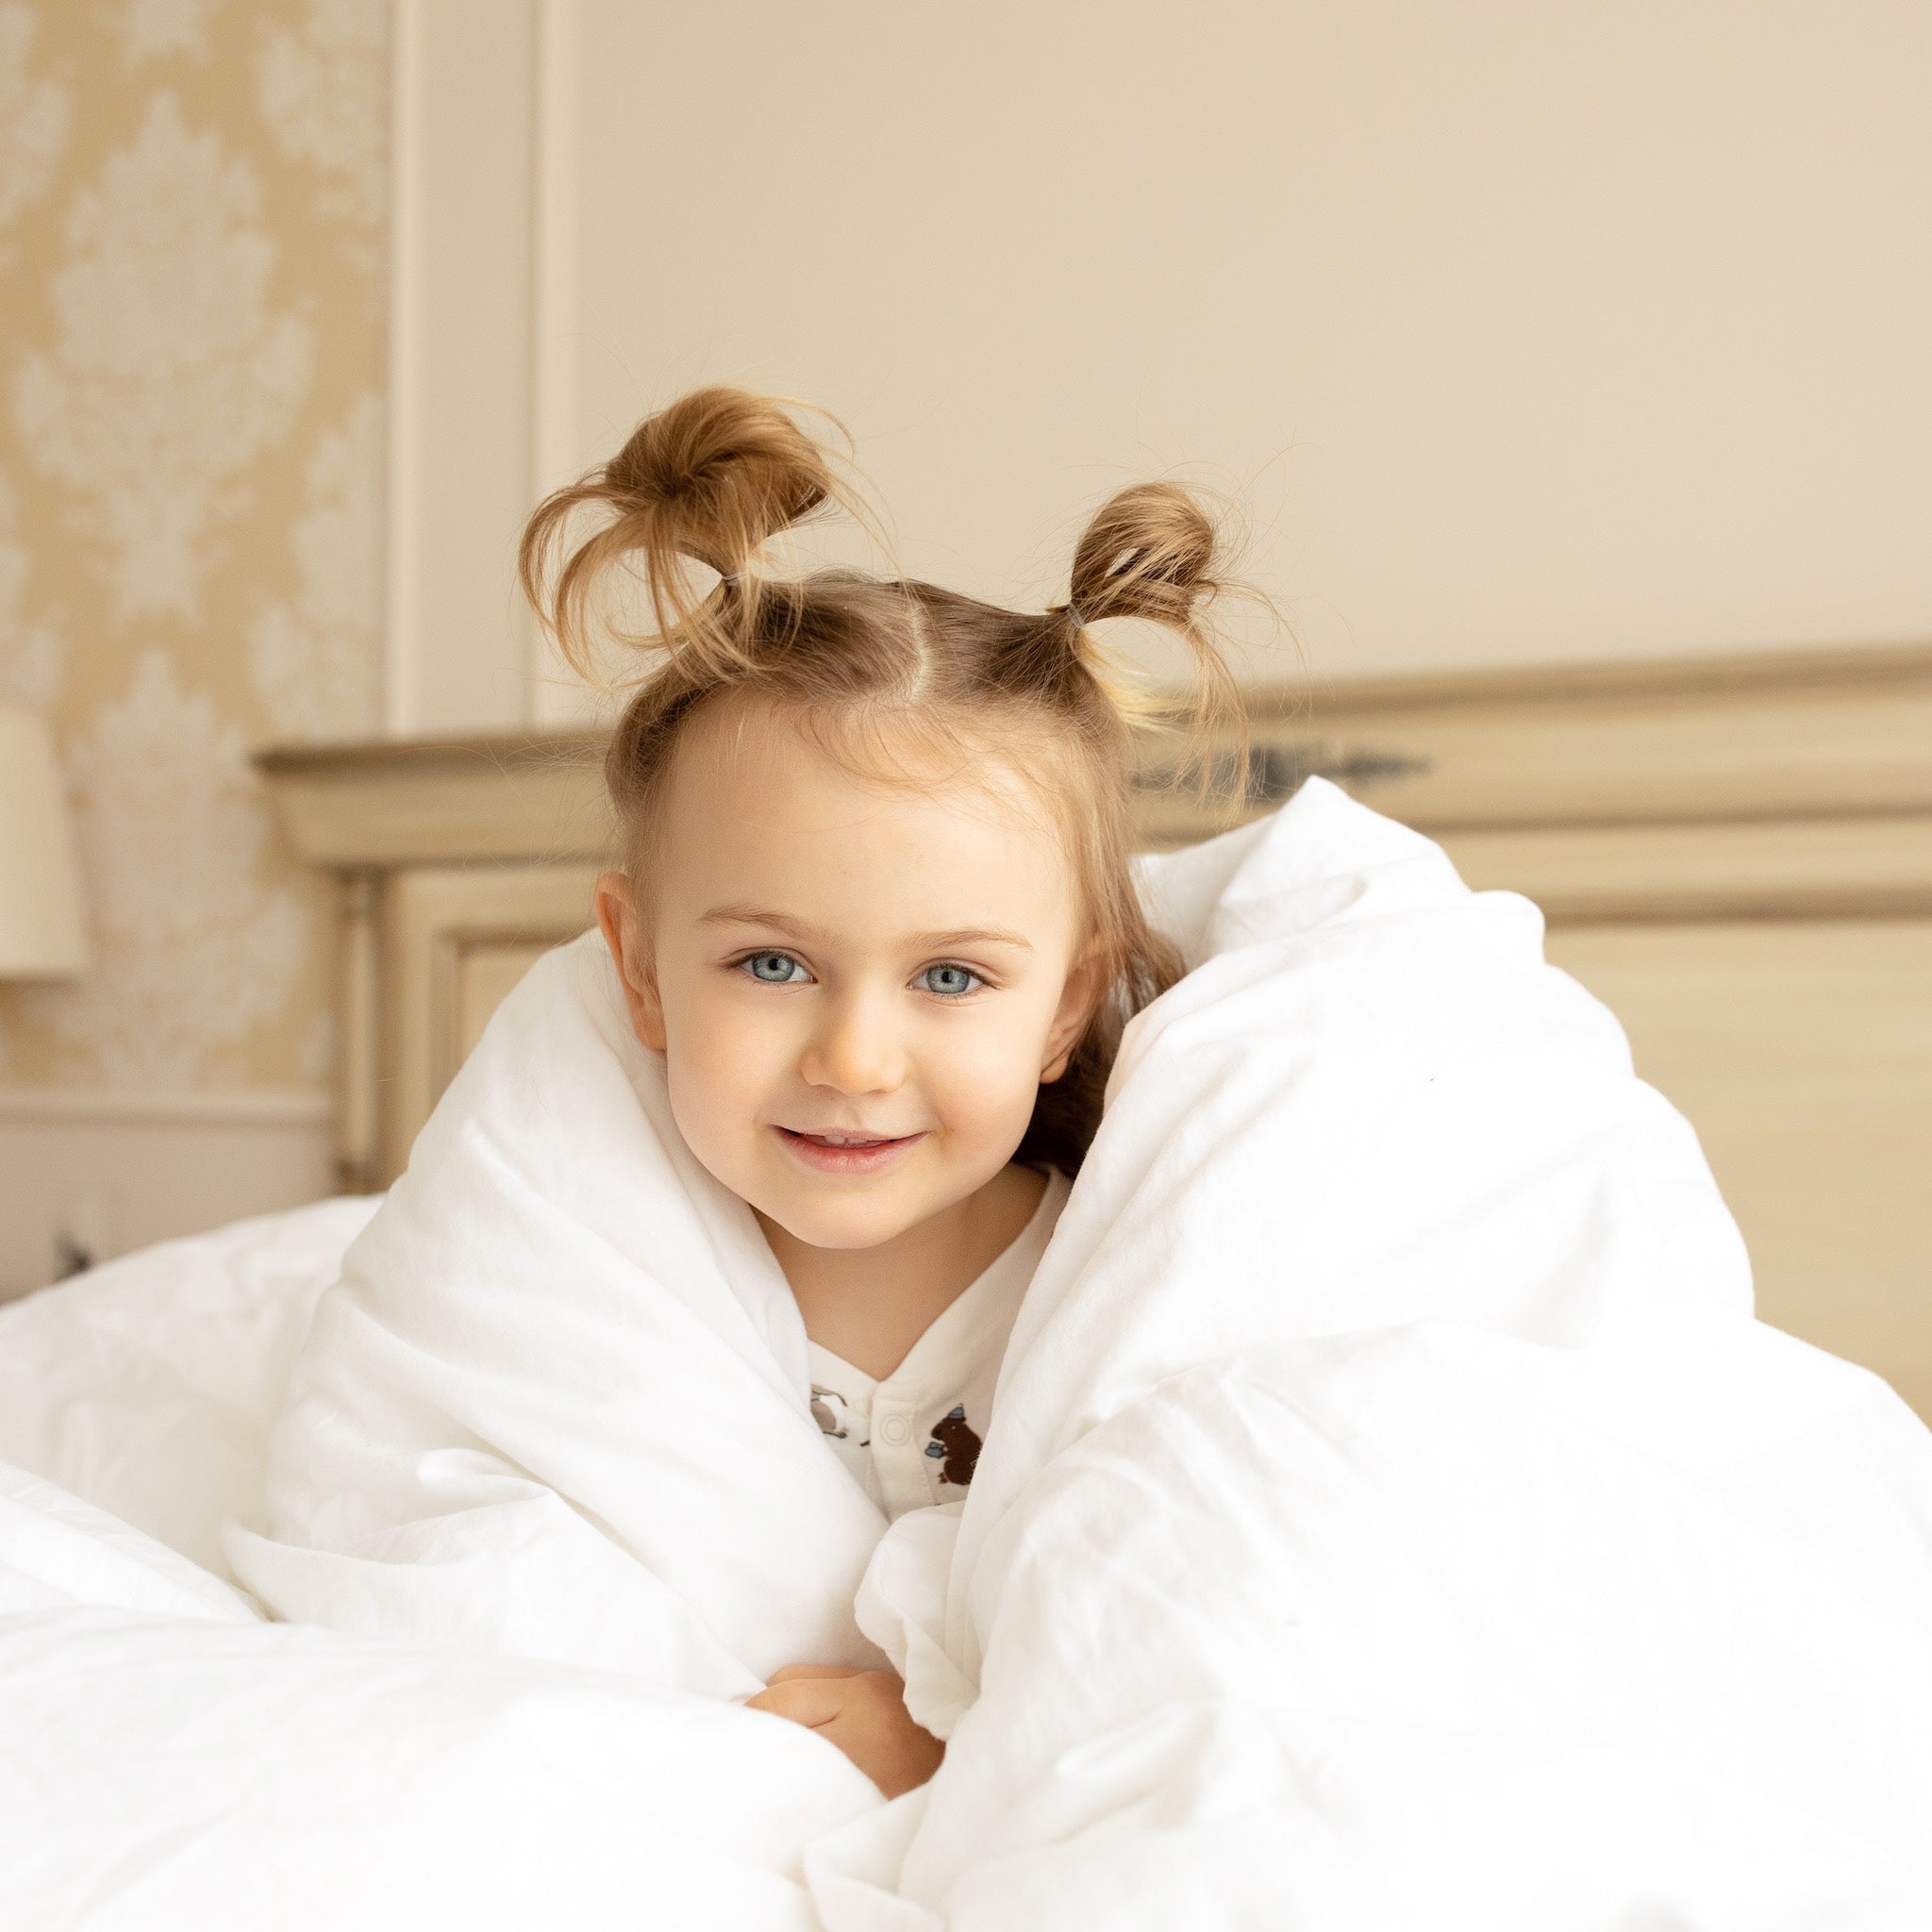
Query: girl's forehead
(744, 759)
(762, 803)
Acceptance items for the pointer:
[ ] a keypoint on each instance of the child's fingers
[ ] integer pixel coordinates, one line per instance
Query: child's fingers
(810, 1701)
(888, 1746)
(793, 1672)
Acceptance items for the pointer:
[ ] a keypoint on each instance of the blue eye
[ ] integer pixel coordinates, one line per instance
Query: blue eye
(774, 969)
(950, 980)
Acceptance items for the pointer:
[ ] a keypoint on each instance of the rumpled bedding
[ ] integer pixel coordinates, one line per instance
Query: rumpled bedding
(149, 1385)
(557, 1407)
(1391, 1514)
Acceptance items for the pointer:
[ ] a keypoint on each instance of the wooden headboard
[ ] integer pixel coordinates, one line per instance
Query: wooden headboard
(1734, 853)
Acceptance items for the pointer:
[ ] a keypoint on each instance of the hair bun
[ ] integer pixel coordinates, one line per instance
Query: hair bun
(722, 471)
(1155, 552)
(711, 480)
(1149, 552)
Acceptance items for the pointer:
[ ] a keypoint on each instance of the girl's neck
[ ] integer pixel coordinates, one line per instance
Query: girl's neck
(868, 1306)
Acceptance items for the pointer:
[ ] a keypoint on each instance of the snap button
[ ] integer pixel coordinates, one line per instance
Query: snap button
(896, 1429)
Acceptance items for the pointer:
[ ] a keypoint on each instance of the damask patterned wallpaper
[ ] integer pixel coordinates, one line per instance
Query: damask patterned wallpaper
(192, 195)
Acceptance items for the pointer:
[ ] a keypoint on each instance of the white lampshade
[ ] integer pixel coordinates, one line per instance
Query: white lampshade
(43, 931)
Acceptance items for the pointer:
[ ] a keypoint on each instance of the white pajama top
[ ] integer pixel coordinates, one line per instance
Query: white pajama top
(912, 1439)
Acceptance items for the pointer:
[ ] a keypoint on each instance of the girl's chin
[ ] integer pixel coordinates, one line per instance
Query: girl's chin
(844, 1213)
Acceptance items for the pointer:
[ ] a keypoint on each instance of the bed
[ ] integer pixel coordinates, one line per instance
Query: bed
(1393, 1513)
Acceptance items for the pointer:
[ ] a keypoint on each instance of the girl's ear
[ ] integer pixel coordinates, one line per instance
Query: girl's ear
(624, 933)
(1078, 998)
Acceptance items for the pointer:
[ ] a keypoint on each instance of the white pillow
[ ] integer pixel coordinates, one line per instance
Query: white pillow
(147, 1387)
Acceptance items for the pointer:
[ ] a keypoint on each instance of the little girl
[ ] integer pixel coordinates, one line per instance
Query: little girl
(875, 912)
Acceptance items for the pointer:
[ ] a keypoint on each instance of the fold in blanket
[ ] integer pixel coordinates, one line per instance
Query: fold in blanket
(174, 1763)
(1391, 1513)
(557, 1405)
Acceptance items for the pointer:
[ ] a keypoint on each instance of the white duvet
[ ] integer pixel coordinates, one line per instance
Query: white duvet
(1391, 1515)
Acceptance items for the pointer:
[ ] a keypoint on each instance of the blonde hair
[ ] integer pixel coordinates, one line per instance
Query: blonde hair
(861, 660)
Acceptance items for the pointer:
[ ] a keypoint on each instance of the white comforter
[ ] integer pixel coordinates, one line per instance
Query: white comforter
(1391, 1514)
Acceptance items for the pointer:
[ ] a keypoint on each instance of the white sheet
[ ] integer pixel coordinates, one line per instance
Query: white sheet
(1391, 1514)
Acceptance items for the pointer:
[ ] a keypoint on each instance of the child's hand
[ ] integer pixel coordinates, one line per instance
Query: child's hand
(864, 1713)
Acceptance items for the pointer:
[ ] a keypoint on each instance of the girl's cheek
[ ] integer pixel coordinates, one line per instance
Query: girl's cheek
(741, 1050)
(988, 1076)
(706, 1043)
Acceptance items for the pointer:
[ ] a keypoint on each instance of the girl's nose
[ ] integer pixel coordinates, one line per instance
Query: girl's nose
(855, 1049)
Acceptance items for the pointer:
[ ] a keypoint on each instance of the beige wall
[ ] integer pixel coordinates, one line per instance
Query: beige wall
(1528, 331)
(190, 379)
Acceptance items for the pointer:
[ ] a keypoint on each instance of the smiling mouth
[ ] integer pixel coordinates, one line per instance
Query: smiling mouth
(845, 1139)
(835, 1153)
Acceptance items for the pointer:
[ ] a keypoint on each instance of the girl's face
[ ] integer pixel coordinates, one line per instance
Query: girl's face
(858, 987)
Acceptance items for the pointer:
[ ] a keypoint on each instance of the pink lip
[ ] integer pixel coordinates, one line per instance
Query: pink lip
(868, 1158)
